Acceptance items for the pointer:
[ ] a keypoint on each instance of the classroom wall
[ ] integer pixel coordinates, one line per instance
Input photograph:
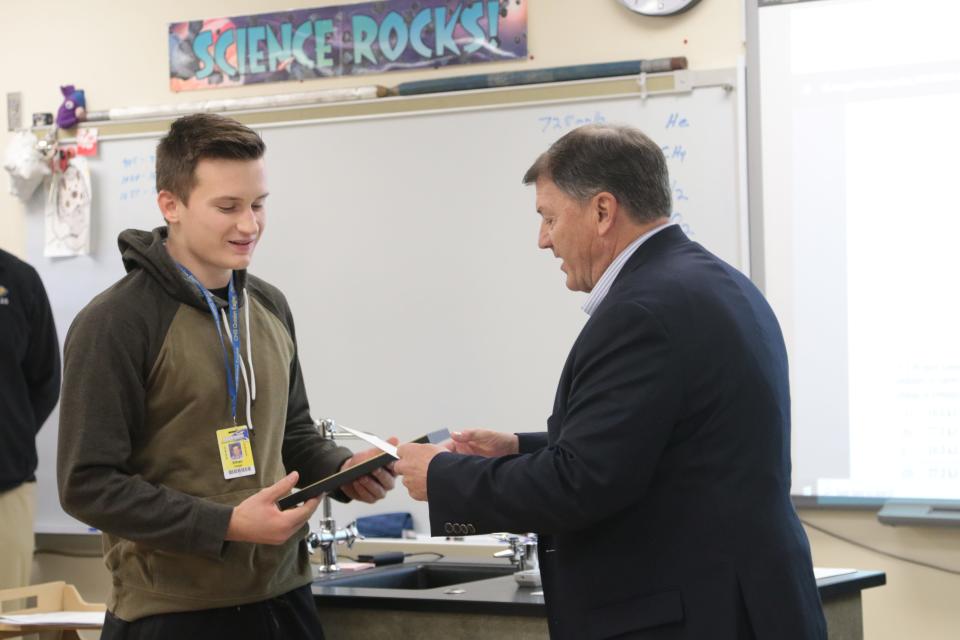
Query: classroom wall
(117, 53)
(917, 602)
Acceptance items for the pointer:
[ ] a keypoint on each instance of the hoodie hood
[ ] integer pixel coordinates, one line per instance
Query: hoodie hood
(145, 250)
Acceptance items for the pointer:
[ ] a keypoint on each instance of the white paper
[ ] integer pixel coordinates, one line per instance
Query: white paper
(383, 445)
(67, 212)
(59, 618)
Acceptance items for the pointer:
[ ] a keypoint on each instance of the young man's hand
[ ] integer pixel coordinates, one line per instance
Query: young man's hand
(259, 519)
(374, 485)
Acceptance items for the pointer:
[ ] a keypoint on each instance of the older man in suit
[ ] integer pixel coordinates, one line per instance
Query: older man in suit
(660, 489)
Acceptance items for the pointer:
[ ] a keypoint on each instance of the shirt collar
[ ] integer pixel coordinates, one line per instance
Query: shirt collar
(600, 290)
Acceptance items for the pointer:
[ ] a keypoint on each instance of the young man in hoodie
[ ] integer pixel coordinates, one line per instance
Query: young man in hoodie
(166, 373)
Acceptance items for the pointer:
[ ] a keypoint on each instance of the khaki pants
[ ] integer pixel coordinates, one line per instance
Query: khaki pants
(16, 535)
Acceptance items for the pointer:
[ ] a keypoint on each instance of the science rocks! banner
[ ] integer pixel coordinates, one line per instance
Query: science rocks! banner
(354, 39)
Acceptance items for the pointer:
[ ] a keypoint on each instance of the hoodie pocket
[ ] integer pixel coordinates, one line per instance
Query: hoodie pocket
(131, 564)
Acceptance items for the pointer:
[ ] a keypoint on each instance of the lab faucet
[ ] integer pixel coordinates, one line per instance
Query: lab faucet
(522, 551)
(329, 536)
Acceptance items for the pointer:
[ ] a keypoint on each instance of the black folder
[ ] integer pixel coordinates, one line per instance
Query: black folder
(332, 483)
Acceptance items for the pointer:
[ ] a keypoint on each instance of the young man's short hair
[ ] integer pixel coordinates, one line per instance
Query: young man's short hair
(195, 137)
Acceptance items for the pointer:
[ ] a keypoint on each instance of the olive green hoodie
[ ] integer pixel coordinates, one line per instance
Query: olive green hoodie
(144, 392)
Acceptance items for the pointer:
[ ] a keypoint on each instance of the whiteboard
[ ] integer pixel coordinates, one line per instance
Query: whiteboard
(860, 225)
(407, 248)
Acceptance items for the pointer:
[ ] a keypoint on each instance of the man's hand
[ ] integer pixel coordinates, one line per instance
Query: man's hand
(259, 519)
(413, 464)
(483, 442)
(373, 486)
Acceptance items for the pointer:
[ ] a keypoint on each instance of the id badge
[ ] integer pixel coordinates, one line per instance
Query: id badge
(236, 454)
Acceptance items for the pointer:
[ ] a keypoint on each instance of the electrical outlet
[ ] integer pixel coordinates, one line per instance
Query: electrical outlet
(14, 111)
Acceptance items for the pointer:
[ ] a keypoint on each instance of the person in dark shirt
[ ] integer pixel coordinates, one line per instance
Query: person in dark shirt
(29, 389)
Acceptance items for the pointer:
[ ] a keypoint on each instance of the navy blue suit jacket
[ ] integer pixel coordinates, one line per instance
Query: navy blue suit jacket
(661, 488)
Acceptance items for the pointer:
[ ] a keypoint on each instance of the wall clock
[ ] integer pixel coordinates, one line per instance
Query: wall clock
(658, 7)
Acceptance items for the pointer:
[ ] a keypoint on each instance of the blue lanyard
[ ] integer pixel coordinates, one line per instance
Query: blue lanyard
(232, 381)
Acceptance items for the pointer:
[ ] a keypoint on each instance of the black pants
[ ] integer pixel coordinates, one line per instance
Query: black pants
(291, 615)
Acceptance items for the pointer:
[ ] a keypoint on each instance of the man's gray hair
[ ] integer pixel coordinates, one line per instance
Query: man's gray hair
(615, 158)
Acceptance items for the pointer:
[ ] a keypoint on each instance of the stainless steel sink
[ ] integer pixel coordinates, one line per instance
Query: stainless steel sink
(420, 575)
